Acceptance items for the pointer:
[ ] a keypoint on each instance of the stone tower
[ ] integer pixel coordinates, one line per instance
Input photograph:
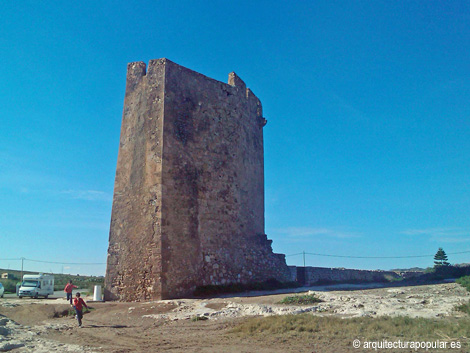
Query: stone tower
(188, 207)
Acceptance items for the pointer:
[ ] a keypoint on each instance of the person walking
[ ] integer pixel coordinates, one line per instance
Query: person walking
(68, 289)
(78, 304)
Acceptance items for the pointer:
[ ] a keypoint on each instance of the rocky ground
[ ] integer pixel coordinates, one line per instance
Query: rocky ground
(30, 325)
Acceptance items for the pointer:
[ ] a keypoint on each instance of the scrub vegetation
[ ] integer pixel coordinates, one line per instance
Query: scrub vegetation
(464, 282)
(301, 299)
(309, 327)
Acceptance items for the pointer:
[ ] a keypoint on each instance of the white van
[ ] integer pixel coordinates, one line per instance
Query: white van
(36, 285)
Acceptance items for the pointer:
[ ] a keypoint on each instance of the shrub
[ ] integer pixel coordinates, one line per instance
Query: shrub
(301, 299)
(9, 285)
(464, 282)
(64, 312)
(199, 318)
(465, 308)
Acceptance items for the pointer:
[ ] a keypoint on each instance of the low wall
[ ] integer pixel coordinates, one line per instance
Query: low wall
(293, 273)
(313, 275)
(319, 274)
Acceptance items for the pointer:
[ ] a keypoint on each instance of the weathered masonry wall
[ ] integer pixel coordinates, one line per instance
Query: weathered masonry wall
(318, 274)
(134, 267)
(188, 206)
(314, 275)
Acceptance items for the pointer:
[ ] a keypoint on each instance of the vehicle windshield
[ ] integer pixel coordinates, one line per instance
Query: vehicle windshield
(30, 284)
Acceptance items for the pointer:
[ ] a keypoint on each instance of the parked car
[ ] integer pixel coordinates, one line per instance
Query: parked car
(2, 290)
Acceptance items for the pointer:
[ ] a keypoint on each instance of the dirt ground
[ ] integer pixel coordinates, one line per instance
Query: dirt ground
(30, 325)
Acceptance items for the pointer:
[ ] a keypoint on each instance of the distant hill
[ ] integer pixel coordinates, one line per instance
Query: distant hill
(412, 269)
(82, 282)
(428, 269)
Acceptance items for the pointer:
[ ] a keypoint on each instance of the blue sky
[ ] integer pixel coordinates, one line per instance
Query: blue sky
(367, 148)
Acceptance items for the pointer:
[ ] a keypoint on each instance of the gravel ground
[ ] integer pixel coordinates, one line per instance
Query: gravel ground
(43, 326)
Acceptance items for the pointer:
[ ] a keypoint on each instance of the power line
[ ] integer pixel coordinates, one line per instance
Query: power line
(67, 263)
(300, 253)
(55, 262)
(460, 252)
(370, 257)
(377, 257)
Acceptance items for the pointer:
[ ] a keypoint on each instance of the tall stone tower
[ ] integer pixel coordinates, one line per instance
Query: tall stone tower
(188, 207)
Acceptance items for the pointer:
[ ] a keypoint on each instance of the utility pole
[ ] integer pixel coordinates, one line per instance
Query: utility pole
(22, 263)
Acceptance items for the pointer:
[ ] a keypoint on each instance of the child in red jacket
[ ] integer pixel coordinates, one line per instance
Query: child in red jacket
(78, 304)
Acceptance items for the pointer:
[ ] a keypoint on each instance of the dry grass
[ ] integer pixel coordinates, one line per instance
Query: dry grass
(465, 308)
(306, 326)
(464, 282)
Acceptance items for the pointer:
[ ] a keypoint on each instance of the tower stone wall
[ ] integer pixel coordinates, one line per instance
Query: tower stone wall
(188, 207)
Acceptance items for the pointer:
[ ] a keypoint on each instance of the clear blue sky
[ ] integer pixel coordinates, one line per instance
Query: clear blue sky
(367, 147)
